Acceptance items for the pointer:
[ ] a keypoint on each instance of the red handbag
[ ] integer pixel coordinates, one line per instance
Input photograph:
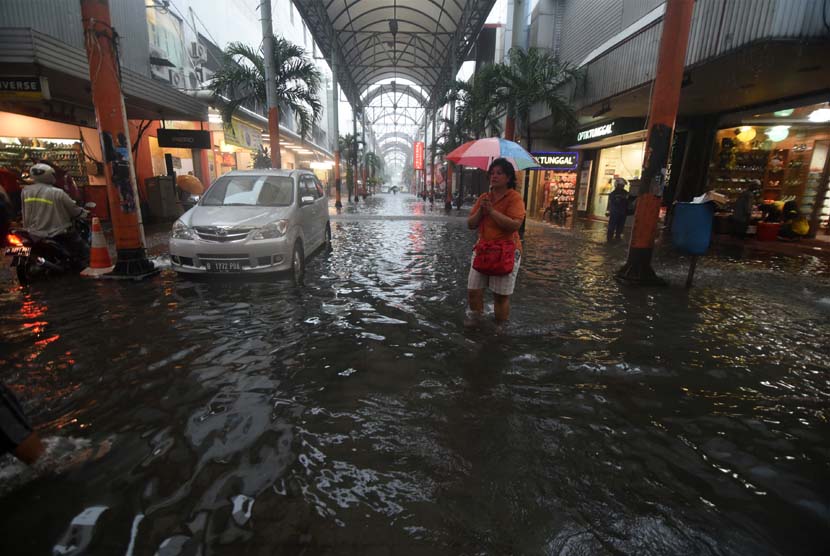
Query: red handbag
(495, 257)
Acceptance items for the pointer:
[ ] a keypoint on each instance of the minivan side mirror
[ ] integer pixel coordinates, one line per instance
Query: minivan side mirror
(307, 200)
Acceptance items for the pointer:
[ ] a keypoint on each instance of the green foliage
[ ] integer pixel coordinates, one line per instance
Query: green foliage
(262, 159)
(532, 77)
(242, 79)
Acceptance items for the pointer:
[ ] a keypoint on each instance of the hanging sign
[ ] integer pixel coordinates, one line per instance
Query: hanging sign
(26, 87)
(243, 135)
(418, 155)
(184, 138)
(556, 160)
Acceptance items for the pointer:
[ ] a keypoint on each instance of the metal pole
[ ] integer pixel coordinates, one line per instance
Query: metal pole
(453, 72)
(662, 114)
(270, 82)
(335, 100)
(354, 154)
(111, 116)
(432, 151)
(365, 150)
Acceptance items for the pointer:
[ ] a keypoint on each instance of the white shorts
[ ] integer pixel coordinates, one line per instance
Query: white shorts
(502, 285)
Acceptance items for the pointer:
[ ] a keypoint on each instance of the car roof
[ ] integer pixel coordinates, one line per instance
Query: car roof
(267, 172)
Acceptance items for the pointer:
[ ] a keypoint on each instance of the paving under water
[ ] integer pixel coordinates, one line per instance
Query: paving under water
(358, 414)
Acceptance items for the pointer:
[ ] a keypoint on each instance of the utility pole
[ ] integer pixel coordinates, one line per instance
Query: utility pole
(363, 158)
(335, 100)
(111, 116)
(270, 82)
(432, 151)
(662, 114)
(453, 73)
(424, 160)
(354, 153)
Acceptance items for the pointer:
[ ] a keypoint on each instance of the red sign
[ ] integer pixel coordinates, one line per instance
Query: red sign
(418, 163)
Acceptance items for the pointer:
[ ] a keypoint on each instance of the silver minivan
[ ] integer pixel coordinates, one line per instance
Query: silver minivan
(253, 221)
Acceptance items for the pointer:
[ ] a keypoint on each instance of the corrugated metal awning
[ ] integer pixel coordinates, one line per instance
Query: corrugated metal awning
(27, 50)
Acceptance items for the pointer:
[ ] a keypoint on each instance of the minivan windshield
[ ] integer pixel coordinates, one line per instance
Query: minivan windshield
(254, 191)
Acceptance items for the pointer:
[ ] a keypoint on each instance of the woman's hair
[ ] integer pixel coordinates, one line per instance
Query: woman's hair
(507, 168)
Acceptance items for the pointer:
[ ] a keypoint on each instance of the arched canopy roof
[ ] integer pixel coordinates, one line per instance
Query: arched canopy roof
(395, 90)
(378, 39)
(406, 137)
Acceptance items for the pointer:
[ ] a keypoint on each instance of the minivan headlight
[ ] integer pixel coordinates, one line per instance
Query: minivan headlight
(182, 231)
(272, 230)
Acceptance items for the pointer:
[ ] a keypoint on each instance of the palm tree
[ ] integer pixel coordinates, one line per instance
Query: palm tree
(373, 163)
(534, 77)
(348, 153)
(241, 79)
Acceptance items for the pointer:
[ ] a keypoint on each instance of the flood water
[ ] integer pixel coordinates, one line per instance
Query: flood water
(358, 414)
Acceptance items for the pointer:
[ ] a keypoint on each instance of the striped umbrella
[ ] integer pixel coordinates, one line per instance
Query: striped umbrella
(481, 153)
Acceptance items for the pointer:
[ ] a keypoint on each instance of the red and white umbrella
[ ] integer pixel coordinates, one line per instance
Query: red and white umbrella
(482, 152)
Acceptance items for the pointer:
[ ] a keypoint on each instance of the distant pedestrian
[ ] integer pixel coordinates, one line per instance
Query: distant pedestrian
(497, 215)
(617, 210)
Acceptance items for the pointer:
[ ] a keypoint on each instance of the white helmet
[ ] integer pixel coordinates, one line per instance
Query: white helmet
(42, 173)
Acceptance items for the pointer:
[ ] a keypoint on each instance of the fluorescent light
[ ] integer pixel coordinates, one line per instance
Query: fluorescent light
(784, 113)
(820, 115)
(778, 133)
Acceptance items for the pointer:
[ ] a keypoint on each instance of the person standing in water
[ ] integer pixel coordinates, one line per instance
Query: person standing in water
(497, 215)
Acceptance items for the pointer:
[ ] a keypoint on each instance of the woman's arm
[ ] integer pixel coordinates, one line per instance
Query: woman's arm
(474, 219)
(505, 222)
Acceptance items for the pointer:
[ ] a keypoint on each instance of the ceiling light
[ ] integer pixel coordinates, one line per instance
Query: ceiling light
(784, 113)
(746, 134)
(820, 116)
(778, 133)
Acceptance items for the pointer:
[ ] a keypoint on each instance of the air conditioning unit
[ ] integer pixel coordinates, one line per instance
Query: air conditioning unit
(193, 81)
(198, 52)
(176, 79)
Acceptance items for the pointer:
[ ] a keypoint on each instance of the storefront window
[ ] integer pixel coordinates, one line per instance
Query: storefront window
(624, 161)
(784, 152)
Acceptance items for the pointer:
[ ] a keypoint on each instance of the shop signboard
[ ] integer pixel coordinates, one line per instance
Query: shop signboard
(612, 128)
(184, 138)
(23, 87)
(557, 160)
(243, 135)
(584, 180)
(418, 155)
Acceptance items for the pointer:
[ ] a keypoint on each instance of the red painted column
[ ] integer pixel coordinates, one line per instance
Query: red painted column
(337, 202)
(122, 194)
(662, 114)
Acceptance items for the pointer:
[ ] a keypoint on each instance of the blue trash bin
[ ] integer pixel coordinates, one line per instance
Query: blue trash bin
(691, 230)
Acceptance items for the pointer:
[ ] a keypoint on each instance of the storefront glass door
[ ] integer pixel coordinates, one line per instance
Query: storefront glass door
(624, 161)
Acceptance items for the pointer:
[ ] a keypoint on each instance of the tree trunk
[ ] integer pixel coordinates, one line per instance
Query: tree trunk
(509, 128)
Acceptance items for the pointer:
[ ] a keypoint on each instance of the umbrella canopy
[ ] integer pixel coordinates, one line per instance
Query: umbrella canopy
(189, 183)
(482, 152)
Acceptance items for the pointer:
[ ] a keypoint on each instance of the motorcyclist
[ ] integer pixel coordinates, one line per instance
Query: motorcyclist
(48, 212)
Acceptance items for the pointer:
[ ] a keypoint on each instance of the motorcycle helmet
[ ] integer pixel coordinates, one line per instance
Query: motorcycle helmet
(42, 173)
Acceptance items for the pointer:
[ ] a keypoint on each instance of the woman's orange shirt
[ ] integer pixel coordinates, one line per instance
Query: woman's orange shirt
(512, 206)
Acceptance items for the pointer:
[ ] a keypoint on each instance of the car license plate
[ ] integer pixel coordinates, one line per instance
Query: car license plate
(223, 266)
(18, 251)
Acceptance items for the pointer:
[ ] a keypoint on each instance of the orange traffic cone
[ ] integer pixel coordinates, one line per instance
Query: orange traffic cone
(99, 255)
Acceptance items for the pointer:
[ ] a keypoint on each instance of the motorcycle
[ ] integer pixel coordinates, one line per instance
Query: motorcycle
(34, 257)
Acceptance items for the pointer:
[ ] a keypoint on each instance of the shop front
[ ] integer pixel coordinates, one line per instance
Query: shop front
(614, 149)
(553, 185)
(235, 146)
(74, 151)
(784, 153)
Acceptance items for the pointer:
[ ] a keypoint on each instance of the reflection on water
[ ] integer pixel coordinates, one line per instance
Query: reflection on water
(359, 413)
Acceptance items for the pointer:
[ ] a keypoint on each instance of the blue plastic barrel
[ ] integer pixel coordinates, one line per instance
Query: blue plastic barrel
(691, 229)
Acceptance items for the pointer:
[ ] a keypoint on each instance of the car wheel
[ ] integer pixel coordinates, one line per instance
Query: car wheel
(327, 241)
(298, 264)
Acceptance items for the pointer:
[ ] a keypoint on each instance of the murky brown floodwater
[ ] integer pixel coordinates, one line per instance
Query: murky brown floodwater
(357, 415)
